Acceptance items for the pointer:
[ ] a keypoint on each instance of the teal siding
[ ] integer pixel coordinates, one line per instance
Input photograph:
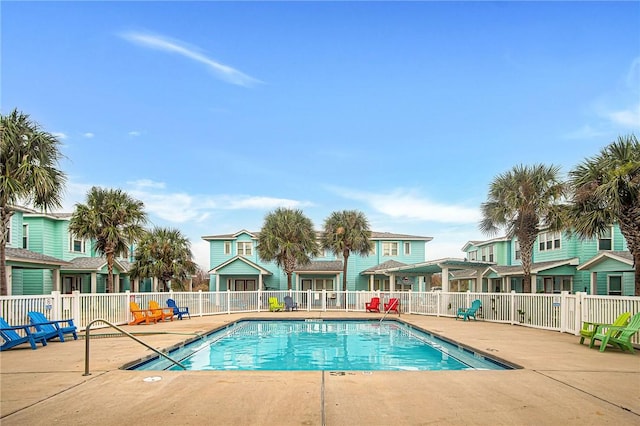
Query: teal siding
(17, 281)
(16, 230)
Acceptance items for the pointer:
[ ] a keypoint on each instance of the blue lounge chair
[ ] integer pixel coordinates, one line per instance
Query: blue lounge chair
(179, 311)
(12, 338)
(52, 329)
(289, 304)
(466, 313)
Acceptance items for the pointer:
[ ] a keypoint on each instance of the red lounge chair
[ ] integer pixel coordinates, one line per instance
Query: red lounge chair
(392, 306)
(373, 306)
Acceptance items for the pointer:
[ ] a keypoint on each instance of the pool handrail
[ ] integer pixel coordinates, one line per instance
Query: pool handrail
(86, 338)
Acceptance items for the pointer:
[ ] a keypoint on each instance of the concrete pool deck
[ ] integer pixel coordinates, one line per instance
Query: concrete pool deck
(561, 382)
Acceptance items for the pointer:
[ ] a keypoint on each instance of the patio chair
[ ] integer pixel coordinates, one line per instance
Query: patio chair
(589, 328)
(158, 311)
(289, 304)
(141, 315)
(11, 337)
(373, 305)
(617, 336)
(392, 306)
(274, 305)
(466, 313)
(178, 310)
(52, 329)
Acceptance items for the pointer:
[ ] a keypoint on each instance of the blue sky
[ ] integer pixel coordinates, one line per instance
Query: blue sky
(215, 113)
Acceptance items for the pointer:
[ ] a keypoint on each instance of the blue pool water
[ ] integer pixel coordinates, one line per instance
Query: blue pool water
(321, 345)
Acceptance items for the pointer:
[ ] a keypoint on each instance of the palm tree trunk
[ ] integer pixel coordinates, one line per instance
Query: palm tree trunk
(289, 280)
(344, 270)
(5, 217)
(629, 221)
(3, 270)
(110, 272)
(526, 248)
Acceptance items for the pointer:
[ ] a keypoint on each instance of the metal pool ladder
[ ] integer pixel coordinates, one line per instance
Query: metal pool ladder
(86, 339)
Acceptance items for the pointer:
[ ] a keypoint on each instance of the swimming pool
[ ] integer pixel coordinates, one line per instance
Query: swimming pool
(322, 345)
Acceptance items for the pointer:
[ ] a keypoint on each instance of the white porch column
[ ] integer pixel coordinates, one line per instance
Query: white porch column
(534, 283)
(445, 279)
(55, 279)
(94, 282)
(371, 282)
(421, 286)
(392, 283)
(9, 279)
(507, 283)
(217, 282)
(116, 283)
(594, 283)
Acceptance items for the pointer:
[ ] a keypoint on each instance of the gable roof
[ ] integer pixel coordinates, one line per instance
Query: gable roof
(381, 268)
(333, 266)
(14, 254)
(374, 236)
(480, 243)
(624, 257)
(239, 258)
(535, 267)
(95, 264)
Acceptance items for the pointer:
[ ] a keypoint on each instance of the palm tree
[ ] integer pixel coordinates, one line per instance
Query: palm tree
(606, 189)
(113, 219)
(29, 158)
(164, 253)
(288, 239)
(347, 232)
(523, 201)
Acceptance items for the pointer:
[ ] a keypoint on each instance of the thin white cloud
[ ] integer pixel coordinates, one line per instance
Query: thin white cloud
(223, 72)
(409, 204)
(88, 135)
(59, 135)
(261, 203)
(146, 183)
(628, 117)
(586, 132)
(134, 133)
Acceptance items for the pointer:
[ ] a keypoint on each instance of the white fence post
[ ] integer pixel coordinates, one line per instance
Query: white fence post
(55, 305)
(512, 310)
(75, 309)
(200, 302)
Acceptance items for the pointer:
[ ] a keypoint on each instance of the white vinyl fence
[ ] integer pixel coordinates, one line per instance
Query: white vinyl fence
(557, 312)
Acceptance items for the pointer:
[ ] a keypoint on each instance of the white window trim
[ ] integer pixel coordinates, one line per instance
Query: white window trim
(9, 229)
(390, 245)
(609, 283)
(25, 236)
(72, 240)
(407, 248)
(227, 247)
(244, 245)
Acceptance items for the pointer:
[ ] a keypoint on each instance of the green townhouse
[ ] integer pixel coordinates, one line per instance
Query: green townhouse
(236, 266)
(43, 256)
(561, 262)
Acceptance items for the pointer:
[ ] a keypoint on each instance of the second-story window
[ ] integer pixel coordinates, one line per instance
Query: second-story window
(25, 236)
(549, 241)
(372, 252)
(473, 255)
(9, 233)
(227, 247)
(389, 248)
(516, 247)
(605, 242)
(487, 254)
(407, 248)
(76, 245)
(244, 248)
